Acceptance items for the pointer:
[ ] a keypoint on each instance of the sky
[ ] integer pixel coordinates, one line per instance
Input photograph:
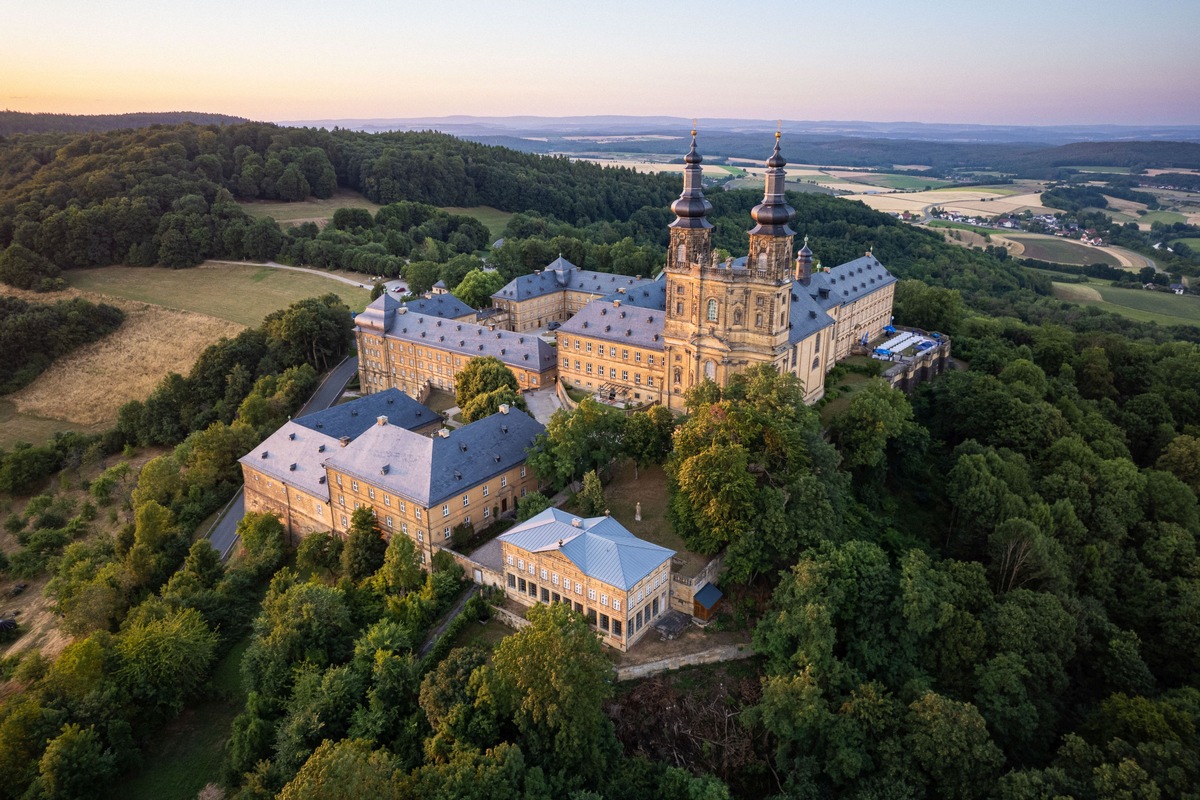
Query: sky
(962, 61)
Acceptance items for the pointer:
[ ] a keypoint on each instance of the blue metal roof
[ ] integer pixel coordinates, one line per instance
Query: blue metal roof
(708, 596)
(599, 546)
(847, 282)
(351, 419)
(561, 275)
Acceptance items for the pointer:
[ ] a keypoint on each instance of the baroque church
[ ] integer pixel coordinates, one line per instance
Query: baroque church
(645, 340)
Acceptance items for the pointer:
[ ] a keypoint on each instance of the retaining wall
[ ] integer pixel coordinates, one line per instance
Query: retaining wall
(714, 655)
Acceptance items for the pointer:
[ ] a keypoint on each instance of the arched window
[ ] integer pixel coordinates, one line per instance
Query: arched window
(678, 375)
(816, 362)
(737, 316)
(679, 309)
(710, 370)
(758, 319)
(762, 262)
(712, 310)
(681, 254)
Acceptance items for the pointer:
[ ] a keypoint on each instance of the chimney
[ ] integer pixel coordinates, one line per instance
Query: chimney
(576, 522)
(345, 440)
(444, 433)
(616, 303)
(381, 420)
(504, 408)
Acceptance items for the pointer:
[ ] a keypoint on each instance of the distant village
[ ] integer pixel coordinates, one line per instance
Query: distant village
(1037, 223)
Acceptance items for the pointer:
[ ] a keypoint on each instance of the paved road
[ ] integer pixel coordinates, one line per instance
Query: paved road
(223, 534)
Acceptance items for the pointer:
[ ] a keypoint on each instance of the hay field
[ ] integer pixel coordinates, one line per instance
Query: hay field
(88, 386)
(240, 293)
(493, 218)
(1176, 170)
(1076, 293)
(639, 165)
(1161, 307)
(1167, 217)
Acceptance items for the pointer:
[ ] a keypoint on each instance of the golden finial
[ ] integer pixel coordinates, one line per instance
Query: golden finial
(693, 126)
(778, 128)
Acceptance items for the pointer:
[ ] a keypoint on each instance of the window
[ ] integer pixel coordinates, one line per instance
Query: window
(342, 500)
(588, 368)
(389, 522)
(554, 578)
(758, 319)
(612, 351)
(679, 309)
(343, 521)
(467, 520)
(579, 608)
(604, 622)
(578, 587)
(503, 481)
(712, 310)
(521, 564)
(612, 372)
(591, 616)
(371, 493)
(510, 559)
(418, 511)
(521, 585)
(604, 600)
(616, 604)
(817, 345)
(420, 536)
(577, 365)
(545, 595)
(387, 499)
(566, 363)
(485, 490)
(544, 573)
(533, 589)
(556, 597)
(654, 608)
(512, 581)
(588, 348)
(592, 594)
(354, 485)
(616, 629)
(625, 354)
(637, 356)
(466, 500)
(532, 570)
(339, 479)
(576, 344)
(445, 509)
(522, 471)
(403, 507)
(625, 375)
(487, 512)
(404, 527)
(641, 595)
(637, 378)
(446, 533)
(650, 358)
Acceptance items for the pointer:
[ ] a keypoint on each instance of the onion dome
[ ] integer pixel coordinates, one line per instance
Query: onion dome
(773, 214)
(804, 251)
(691, 208)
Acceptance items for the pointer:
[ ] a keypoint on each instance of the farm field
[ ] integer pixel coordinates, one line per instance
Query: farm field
(962, 226)
(1111, 170)
(1166, 217)
(975, 201)
(1161, 307)
(1192, 243)
(1062, 251)
(310, 210)
(890, 181)
(243, 294)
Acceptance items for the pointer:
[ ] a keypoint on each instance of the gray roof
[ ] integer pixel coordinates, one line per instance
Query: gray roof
(632, 326)
(446, 306)
(351, 419)
(295, 455)
(807, 314)
(650, 294)
(600, 547)
(515, 349)
(428, 470)
(847, 282)
(562, 275)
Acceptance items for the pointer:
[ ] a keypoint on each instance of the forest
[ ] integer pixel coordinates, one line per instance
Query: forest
(987, 589)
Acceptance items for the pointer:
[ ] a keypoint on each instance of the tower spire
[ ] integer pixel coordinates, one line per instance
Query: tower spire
(691, 208)
(773, 214)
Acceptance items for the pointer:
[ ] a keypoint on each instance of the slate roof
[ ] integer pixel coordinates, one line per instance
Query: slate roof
(430, 470)
(850, 281)
(351, 419)
(601, 547)
(295, 455)
(561, 275)
(632, 326)
(807, 314)
(651, 294)
(515, 349)
(446, 306)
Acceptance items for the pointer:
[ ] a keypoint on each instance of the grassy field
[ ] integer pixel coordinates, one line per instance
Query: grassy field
(902, 181)
(239, 293)
(310, 210)
(187, 755)
(1111, 170)
(846, 388)
(485, 635)
(1192, 243)
(1115, 216)
(1062, 251)
(494, 218)
(1166, 217)
(962, 226)
(1139, 304)
(32, 429)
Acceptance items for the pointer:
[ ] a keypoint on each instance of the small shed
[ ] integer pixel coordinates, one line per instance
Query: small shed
(704, 602)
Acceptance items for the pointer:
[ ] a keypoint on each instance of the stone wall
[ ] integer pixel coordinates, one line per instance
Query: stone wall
(514, 621)
(729, 652)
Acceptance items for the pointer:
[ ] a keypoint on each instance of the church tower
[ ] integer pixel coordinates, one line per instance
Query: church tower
(722, 317)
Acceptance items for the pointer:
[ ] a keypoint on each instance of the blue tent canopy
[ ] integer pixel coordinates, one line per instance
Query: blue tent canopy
(889, 328)
(880, 351)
